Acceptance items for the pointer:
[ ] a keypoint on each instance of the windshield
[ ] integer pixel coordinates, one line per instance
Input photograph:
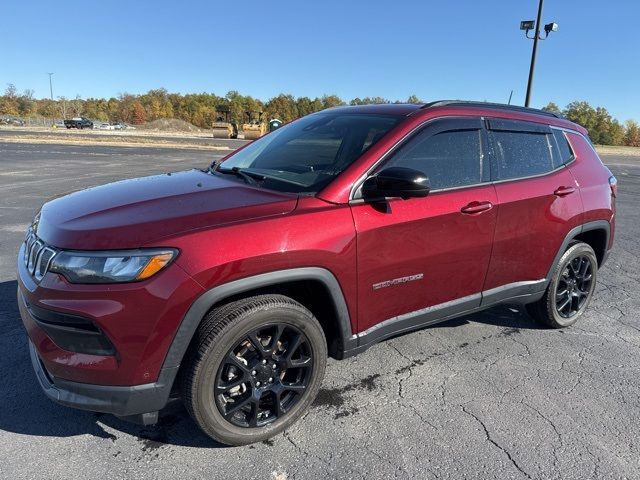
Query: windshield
(306, 155)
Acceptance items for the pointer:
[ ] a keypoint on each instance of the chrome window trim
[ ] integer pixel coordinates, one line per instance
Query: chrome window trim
(358, 183)
(564, 131)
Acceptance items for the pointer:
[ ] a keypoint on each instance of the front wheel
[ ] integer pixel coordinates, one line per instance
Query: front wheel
(253, 368)
(570, 290)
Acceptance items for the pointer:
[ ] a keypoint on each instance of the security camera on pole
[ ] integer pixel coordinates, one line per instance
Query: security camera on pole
(531, 25)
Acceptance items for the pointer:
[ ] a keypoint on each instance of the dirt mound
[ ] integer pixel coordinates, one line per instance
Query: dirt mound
(169, 125)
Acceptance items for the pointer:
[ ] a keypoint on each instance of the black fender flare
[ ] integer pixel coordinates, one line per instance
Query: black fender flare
(573, 233)
(211, 297)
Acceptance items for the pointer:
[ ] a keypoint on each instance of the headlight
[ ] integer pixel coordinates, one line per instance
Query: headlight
(111, 267)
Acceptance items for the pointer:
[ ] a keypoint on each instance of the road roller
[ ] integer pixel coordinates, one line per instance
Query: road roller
(224, 127)
(254, 127)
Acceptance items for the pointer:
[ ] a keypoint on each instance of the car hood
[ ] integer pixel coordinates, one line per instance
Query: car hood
(132, 213)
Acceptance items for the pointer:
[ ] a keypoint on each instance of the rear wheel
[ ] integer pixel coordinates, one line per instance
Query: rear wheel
(254, 367)
(570, 290)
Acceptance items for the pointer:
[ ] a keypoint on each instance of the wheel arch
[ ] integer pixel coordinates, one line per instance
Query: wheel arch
(333, 315)
(596, 234)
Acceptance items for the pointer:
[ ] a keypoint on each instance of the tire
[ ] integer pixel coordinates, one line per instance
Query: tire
(568, 285)
(222, 354)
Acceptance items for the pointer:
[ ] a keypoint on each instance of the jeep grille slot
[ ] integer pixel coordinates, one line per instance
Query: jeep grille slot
(37, 256)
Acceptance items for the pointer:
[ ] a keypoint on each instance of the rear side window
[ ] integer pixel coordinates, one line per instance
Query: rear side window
(449, 157)
(521, 149)
(566, 155)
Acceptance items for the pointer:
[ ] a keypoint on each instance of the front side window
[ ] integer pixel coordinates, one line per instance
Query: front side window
(306, 155)
(449, 158)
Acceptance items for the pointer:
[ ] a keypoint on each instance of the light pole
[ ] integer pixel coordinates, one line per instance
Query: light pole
(50, 85)
(530, 25)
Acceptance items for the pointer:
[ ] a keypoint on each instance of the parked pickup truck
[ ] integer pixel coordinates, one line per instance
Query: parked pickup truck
(78, 122)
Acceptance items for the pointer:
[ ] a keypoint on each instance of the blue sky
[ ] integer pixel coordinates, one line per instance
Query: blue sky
(434, 49)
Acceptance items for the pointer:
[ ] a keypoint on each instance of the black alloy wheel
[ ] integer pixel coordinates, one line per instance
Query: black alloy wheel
(574, 286)
(253, 368)
(570, 288)
(264, 375)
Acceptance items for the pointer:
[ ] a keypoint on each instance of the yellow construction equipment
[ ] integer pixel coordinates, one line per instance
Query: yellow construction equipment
(223, 127)
(255, 127)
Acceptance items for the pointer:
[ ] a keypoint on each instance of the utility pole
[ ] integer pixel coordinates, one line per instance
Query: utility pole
(530, 25)
(50, 85)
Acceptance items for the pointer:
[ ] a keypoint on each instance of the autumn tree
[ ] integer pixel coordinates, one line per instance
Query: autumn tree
(138, 115)
(632, 133)
(9, 103)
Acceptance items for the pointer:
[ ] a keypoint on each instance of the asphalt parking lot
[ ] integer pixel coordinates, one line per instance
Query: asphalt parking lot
(491, 395)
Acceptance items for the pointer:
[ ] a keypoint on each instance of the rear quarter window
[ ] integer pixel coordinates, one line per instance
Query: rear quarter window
(566, 154)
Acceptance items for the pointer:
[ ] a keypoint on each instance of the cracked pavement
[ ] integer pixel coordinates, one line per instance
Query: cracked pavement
(490, 395)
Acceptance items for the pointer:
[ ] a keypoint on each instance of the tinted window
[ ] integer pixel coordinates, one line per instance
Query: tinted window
(563, 145)
(449, 159)
(521, 154)
(307, 154)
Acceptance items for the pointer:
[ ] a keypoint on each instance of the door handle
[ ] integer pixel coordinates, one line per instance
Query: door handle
(476, 207)
(564, 191)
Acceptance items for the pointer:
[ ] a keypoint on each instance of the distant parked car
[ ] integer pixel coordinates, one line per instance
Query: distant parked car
(16, 122)
(104, 126)
(79, 123)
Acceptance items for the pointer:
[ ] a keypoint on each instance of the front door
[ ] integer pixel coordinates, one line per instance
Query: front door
(424, 252)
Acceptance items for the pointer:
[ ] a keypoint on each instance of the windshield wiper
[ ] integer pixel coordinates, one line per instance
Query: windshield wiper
(252, 178)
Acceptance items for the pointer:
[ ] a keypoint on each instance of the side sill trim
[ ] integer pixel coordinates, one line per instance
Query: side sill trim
(518, 292)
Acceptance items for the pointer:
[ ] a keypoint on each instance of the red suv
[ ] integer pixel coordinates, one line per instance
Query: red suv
(229, 287)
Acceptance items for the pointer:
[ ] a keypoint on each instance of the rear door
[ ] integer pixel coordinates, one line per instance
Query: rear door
(538, 201)
(421, 252)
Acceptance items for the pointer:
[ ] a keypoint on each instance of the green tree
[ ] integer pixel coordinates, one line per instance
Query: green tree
(414, 99)
(581, 113)
(551, 107)
(616, 133)
(329, 101)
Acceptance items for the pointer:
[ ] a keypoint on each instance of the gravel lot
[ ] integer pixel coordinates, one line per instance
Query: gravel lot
(490, 395)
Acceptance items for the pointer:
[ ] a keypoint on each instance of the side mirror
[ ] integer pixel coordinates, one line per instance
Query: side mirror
(396, 182)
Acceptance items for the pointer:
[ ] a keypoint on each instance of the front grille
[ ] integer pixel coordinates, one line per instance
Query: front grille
(37, 256)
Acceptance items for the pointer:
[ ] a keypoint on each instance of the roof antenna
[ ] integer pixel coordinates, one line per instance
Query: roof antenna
(510, 95)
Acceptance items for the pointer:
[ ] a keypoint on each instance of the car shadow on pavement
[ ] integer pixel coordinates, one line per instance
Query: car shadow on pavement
(507, 316)
(24, 409)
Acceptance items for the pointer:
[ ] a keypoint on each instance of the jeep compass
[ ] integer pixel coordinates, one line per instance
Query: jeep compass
(229, 287)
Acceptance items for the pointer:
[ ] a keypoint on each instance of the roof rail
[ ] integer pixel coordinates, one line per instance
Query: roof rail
(496, 106)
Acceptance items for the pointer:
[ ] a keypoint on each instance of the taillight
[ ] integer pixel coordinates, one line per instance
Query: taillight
(613, 184)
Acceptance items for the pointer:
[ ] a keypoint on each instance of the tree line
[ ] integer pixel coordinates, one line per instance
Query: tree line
(603, 128)
(201, 109)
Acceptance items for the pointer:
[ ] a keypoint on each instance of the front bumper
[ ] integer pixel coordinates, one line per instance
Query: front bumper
(139, 403)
